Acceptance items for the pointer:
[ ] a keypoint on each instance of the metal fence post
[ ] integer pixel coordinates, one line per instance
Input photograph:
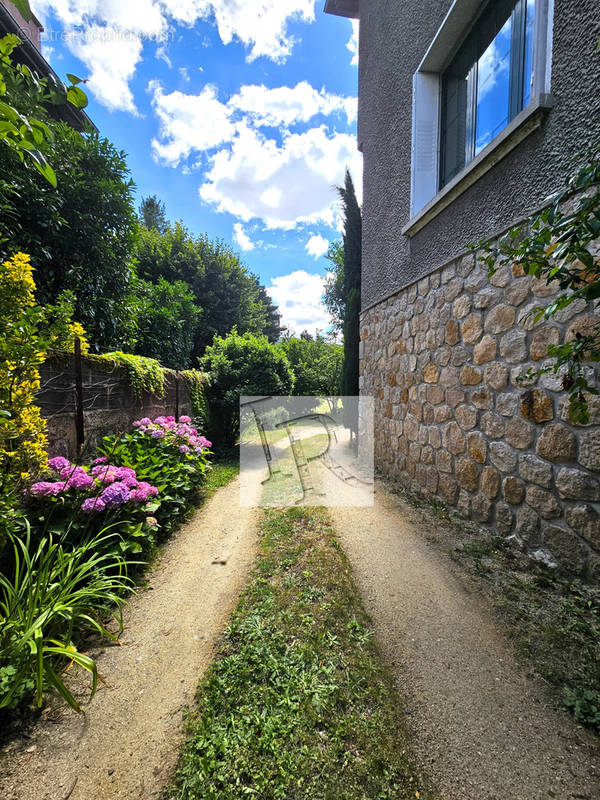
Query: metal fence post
(79, 424)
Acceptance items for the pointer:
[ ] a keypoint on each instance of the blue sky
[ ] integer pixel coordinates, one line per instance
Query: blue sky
(239, 115)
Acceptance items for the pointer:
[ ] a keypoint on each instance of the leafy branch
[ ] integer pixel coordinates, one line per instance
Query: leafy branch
(558, 244)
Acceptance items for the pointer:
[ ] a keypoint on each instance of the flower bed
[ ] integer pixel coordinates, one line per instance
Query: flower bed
(74, 543)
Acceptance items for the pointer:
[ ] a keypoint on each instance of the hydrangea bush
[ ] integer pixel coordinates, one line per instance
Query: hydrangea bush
(82, 501)
(168, 454)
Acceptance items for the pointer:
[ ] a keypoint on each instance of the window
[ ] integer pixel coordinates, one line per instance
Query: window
(487, 83)
(482, 86)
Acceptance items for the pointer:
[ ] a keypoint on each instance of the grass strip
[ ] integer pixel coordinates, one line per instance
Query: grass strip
(297, 703)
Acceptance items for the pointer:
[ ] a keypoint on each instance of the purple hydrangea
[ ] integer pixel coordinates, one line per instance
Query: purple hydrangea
(116, 494)
(46, 489)
(58, 463)
(157, 434)
(93, 504)
(184, 449)
(145, 421)
(79, 479)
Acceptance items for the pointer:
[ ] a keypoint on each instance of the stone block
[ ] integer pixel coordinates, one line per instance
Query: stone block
(466, 416)
(543, 337)
(513, 490)
(504, 518)
(534, 470)
(575, 484)
(490, 482)
(499, 319)
(517, 292)
(481, 508)
(496, 376)
(566, 548)
(448, 488)
(477, 447)
(507, 404)
(471, 329)
(527, 525)
(462, 306)
(485, 350)
(536, 406)
(493, 425)
(453, 439)
(585, 521)
(503, 457)
(589, 450)
(543, 502)
(469, 376)
(431, 373)
(513, 347)
(519, 433)
(556, 443)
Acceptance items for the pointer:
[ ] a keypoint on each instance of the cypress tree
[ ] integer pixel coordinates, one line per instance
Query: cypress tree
(351, 286)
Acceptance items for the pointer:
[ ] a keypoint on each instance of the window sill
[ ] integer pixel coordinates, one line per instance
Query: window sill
(529, 120)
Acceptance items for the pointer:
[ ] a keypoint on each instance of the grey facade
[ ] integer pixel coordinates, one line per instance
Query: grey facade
(441, 347)
(394, 37)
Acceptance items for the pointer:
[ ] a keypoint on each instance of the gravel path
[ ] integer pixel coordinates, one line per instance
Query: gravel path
(126, 746)
(481, 728)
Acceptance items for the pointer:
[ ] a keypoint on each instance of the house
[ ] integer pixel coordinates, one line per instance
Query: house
(30, 53)
(471, 114)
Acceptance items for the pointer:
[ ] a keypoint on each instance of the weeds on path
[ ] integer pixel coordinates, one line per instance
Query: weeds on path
(297, 703)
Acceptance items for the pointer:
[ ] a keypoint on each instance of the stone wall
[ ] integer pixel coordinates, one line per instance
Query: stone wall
(442, 358)
(109, 406)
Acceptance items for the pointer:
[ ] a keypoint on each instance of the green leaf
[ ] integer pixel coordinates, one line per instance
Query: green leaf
(77, 97)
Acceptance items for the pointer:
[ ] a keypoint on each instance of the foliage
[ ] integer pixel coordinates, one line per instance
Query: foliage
(167, 320)
(196, 385)
(585, 705)
(29, 332)
(152, 214)
(558, 245)
(272, 327)
(298, 703)
(333, 296)
(221, 285)
(236, 365)
(351, 287)
(79, 503)
(316, 363)
(171, 455)
(20, 128)
(144, 374)
(80, 236)
(52, 591)
(22, 428)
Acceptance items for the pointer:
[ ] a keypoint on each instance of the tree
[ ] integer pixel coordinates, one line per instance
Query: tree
(333, 296)
(237, 365)
(559, 245)
(351, 286)
(166, 322)
(152, 214)
(222, 286)
(81, 235)
(25, 97)
(317, 364)
(272, 328)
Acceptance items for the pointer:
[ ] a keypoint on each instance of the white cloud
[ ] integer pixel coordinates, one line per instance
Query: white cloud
(111, 59)
(188, 123)
(241, 237)
(353, 43)
(298, 296)
(317, 246)
(261, 26)
(284, 184)
(286, 105)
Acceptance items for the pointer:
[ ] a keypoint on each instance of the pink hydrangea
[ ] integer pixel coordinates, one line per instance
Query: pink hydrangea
(58, 463)
(76, 478)
(46, 489)
(184, 419)
(101, 460)
(152, 522)
(93, 504)
(145, 421)
(144, 491)
(184, 449)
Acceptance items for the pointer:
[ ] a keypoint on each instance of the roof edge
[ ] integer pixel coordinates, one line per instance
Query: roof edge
(342, 8)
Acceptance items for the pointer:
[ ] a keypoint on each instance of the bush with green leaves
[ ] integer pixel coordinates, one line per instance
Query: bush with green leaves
(560, 244)
(237, 365)
(317, 364)
(585, 705)
(51, 593)
(168, 454)
(167, 319)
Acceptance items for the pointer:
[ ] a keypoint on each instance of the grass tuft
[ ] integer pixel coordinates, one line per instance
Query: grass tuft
(297, 703)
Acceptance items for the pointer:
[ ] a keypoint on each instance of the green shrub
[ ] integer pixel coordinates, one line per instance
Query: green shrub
(239, 365)
(52, 591)
(585, 705)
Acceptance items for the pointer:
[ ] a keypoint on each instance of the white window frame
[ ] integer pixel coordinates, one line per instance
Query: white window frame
(426, 133)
